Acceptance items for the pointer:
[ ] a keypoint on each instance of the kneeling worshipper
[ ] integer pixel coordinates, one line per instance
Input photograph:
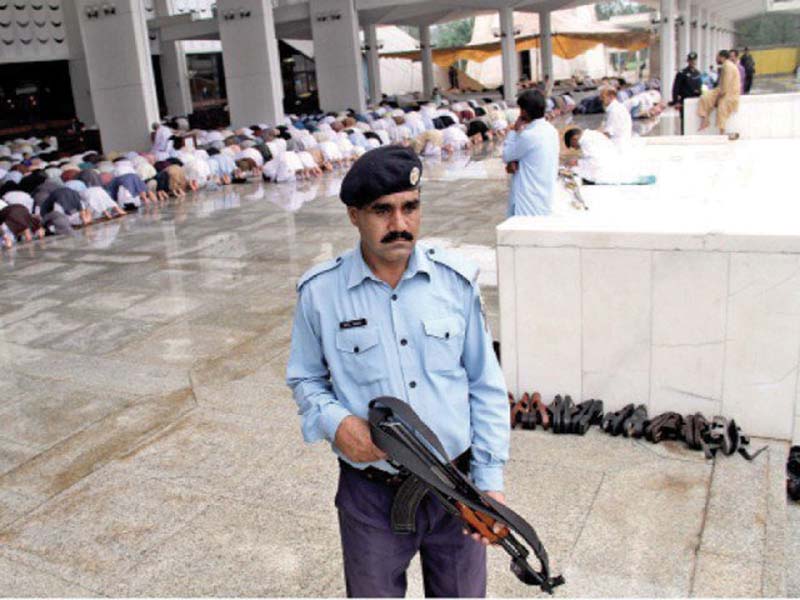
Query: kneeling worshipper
(95, 196)
(68, 202)
(16, 222)
(130, 191)
(602, 162)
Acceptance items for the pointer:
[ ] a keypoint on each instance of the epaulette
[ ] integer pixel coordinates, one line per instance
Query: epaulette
(322, 267)
(466, 268)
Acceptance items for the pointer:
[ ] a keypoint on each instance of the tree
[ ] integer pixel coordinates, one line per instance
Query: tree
(612, 8)
(455, 33)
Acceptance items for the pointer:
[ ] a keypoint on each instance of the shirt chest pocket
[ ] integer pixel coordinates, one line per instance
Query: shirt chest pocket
(361, 355)
(444, 343)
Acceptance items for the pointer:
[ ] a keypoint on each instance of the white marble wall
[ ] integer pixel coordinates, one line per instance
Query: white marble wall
(633, 317)
(764, 116)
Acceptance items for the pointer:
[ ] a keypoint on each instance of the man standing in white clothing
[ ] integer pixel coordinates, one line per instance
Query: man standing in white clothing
(618, 125)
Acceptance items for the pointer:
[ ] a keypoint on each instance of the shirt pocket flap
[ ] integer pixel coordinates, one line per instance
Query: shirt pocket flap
(356, 341)
(443, 328)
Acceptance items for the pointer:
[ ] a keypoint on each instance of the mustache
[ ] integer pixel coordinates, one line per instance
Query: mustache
(393, 236)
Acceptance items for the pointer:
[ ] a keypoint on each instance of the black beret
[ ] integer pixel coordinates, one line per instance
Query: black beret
(380, 172)
(692, 56)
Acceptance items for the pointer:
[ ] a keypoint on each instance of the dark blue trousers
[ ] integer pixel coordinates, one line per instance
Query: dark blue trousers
(376, 558)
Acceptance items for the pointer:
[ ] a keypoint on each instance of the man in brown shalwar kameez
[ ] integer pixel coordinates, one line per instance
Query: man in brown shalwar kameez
(725, 97)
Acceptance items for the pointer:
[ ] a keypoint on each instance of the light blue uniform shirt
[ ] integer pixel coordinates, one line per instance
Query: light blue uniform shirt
(425, 342)
(536, 149)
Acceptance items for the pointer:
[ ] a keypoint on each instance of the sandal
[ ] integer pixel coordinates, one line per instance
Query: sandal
(612, 422)
(634, 425)
(793, 473)
(541, 410)
(587, 414)
(556, 413)
(666, 426)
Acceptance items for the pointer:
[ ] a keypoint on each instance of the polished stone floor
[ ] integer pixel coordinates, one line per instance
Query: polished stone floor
(148, 445)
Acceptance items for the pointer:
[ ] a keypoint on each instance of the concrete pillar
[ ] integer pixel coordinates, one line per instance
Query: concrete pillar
(337, 54)
(695, 45)
(78, 70)
(373, 63)
(251, 60)
(120, 73)
(174, 73)
(546, 42)
(705, 46)
(708, 41)
(667, 45)
(509, 49)
(427, 61)
(684, 30)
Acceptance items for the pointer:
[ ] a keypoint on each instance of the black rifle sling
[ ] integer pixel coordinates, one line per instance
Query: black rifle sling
(397, 429)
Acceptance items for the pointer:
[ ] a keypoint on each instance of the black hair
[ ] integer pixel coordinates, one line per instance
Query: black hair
(532, 103)
(724, 54)
(570, 135)
(177, 142)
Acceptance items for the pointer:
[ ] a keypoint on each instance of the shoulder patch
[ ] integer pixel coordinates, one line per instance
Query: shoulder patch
(318, 269)
(464, 267)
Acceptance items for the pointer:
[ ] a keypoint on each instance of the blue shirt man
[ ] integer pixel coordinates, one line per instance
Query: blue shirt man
(393, 317)
(531, 153)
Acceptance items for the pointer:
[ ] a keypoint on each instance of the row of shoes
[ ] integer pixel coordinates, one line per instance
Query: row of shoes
(562, 415)
(793, 473)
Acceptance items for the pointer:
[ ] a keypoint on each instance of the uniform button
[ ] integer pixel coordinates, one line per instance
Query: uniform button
(412, 384)
(403, 342)
(447, 335)
(394, 296)
(431, 251)
(355, 349)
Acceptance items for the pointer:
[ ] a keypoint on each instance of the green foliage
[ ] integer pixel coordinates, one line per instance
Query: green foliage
(612, 8)
(455, 33)
(769, 30)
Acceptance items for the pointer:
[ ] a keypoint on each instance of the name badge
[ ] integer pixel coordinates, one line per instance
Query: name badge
(353, 324)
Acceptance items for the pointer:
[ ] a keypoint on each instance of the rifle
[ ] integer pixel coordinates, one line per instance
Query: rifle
(416, 451)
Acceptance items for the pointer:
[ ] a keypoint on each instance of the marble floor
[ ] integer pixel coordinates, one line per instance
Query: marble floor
(148, 445)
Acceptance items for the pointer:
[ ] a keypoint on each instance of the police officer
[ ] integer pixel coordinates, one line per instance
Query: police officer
(688, 84)
(394, 317)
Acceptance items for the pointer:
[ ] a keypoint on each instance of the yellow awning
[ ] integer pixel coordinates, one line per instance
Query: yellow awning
(565, 45)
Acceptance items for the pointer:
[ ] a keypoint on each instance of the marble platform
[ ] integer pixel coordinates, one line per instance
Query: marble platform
(682, 296)
(760, 116)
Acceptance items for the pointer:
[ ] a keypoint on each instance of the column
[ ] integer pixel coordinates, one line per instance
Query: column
(174, 73)
(509, 49)
(251, 60)
(546, 42)
(667, 46)
(78, 70)
(373, 63)
(684, 30)
(337, 54)
(709, 41)
(427, 61)
(696, 44)
(120, 73)
(705, 46)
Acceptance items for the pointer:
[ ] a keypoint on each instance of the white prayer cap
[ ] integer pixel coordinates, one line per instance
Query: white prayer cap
(5, 151)
(53, 172)
(105, 167)
(132, 155)
(3, 173)
(17, 156)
